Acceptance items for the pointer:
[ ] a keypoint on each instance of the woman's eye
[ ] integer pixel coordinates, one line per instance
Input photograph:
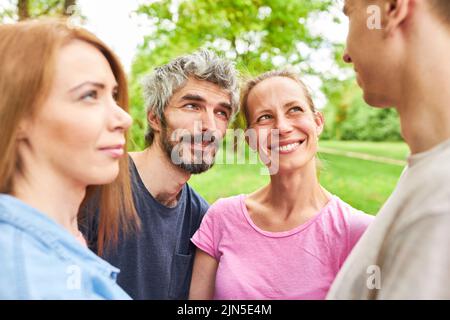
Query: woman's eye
(91, 95)
(263, 117)
(296, 109)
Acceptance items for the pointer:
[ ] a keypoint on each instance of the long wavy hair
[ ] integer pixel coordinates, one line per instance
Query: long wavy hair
(27, 67)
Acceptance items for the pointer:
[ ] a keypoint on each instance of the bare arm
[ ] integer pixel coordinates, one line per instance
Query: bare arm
(203, 276)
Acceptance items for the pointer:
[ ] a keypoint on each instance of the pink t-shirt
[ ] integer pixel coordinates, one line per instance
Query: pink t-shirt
(297, 264)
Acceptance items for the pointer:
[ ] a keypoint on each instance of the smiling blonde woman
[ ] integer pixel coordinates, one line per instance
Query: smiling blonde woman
(289, 239)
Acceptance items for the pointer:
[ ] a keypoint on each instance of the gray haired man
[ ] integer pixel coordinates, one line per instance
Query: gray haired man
(190, 102)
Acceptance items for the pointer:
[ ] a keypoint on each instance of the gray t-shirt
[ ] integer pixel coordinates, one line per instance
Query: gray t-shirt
(405, 252)
(156, 263)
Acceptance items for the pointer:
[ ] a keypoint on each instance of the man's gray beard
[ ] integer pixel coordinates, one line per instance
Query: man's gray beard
(192, 168)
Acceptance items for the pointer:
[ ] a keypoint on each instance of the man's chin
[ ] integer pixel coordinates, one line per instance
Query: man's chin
(194, 163)
(195, 168)
(377, 101)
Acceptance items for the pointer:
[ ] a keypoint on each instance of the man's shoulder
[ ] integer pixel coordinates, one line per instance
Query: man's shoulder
(420, 197)
(197, 203)
(430, 167)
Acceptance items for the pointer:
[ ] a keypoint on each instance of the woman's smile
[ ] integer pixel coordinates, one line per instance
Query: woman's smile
(287, 147)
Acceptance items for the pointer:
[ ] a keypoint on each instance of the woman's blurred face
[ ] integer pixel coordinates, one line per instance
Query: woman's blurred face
(287, 130)
(79, 131)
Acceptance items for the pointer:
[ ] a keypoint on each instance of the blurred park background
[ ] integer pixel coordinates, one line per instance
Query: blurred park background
(361, 149)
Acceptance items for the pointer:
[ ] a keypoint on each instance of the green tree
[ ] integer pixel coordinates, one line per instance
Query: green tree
(348, 117)
(19, 10)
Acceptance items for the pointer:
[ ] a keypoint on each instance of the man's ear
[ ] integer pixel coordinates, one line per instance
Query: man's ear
(154, 121)
(396, 12)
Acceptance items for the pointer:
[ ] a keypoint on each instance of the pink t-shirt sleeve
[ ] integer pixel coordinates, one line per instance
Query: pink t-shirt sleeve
(205, 238)
(358, 224)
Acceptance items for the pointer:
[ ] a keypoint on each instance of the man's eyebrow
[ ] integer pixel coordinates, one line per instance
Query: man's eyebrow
(95, 84)
(193, 97)
(196, 97)
(226, 105)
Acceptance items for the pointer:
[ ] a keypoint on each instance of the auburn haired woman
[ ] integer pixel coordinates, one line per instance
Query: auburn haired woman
(63, 123)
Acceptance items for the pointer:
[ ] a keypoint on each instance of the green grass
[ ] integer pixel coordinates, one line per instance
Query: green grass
(228, 180)
(393, 150)
(363, 184)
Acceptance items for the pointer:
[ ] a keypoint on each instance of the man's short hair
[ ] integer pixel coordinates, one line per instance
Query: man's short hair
(442, 9)
(164, 81)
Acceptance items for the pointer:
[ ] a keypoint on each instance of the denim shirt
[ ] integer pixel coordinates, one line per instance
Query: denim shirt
(39, 259)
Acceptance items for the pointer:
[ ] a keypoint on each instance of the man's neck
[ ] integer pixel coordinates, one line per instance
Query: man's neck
(161, 177)
(425, 112)
(424, 106)
(424, 128)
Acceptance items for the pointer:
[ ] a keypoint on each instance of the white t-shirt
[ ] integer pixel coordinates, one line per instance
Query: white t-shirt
(405, 252)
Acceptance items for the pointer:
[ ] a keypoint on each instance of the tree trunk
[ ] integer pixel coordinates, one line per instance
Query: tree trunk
(69, 7)
(22, 8)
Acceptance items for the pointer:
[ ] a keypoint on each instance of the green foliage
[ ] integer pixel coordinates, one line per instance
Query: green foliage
(35, 9)
(348, 117)
(39, 8)
(7, 12)
(139, 117)
(370, 124)
(243, 29)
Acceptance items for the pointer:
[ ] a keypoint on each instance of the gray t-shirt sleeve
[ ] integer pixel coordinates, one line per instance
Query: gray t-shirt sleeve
(419, 261)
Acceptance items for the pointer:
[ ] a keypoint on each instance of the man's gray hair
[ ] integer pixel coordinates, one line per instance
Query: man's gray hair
(164, 81)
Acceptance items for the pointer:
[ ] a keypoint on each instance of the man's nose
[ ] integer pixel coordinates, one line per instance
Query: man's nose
(208, 121)
(346, 57)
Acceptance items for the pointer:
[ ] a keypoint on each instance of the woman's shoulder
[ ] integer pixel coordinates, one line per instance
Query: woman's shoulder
(344, 214)
(228, 204)
(41, 261)
(38, 270)
(229, 209)
(34, 270)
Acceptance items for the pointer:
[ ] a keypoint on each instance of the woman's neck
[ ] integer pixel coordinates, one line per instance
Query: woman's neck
(293, 192)
(53, 196)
